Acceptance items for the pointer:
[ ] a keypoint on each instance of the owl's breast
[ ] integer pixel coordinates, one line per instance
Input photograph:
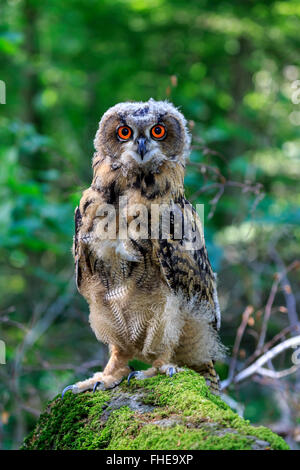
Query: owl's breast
(124, 266)
(130, 294)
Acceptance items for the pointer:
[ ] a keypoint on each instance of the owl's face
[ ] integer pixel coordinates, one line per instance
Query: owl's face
(143, 135)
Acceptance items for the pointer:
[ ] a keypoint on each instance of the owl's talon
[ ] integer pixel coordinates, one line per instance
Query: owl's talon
(96, 386)
(170, 370)
(132, 374)
(69, 387)
(138, 374)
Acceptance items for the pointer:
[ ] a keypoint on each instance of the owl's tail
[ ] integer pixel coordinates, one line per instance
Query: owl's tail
(207, 370)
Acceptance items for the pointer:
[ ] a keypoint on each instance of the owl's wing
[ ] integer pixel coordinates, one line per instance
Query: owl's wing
(184, 261)
(85, 260)
(77, 247)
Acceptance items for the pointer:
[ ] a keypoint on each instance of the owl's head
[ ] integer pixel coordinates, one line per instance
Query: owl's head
(143, 135)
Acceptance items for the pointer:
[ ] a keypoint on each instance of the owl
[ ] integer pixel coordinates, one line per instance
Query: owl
(140, 256)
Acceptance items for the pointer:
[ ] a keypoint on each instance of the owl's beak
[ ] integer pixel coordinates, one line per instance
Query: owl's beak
(141, 141)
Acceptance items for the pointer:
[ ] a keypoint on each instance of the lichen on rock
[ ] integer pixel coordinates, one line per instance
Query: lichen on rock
(157, 413)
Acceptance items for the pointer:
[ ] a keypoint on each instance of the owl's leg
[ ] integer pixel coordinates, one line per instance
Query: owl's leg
(115, 371)
(159, 366)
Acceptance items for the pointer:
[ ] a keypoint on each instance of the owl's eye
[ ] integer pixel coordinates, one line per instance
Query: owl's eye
(158, 132)
(124, 132)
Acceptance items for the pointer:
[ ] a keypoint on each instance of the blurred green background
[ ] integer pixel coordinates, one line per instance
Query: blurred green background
(233, 68)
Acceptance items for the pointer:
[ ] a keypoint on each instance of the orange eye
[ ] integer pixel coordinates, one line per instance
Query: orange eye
(124, 132)
(158, 131)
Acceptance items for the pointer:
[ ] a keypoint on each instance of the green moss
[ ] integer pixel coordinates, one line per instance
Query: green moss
(177, 413)
(69, 423)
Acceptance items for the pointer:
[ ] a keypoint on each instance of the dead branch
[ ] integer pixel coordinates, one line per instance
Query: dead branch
(269, 355)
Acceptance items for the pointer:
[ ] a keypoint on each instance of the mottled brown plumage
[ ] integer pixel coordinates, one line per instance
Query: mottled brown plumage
(150, 298)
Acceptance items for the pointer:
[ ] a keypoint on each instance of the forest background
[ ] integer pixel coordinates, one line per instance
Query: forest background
(233, 68)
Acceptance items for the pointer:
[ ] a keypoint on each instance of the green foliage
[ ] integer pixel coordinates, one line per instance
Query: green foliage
(231, 67)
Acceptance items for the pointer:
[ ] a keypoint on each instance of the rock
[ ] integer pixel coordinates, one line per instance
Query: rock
(158, 413)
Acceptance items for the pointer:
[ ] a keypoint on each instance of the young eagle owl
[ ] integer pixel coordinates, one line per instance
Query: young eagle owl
(150, 297)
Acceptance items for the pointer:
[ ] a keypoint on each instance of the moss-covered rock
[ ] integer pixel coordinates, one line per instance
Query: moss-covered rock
(157, 413)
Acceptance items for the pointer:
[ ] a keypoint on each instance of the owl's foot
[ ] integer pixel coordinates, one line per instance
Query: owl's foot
(168, 369)
(99, 381)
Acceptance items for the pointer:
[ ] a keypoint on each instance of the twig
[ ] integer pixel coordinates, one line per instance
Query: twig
(238, 339)
(8, 310)
(215, 201)
(273, 374)
(8, 321)
(287, 289)
(274, 340)
(78, 368)
(213, 169)
(268, 311)
(269, 355)
(30, 410)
